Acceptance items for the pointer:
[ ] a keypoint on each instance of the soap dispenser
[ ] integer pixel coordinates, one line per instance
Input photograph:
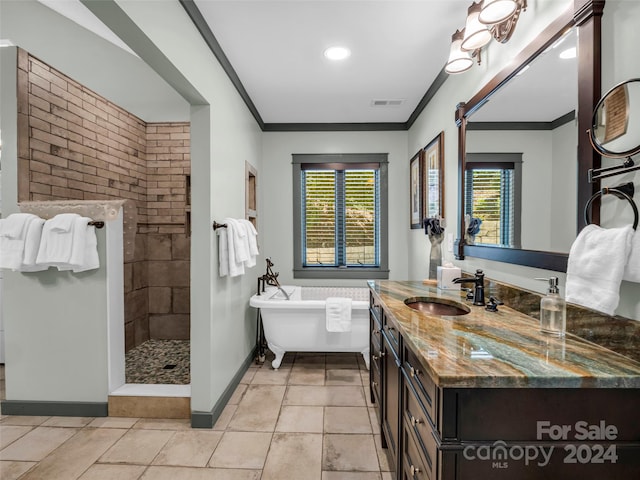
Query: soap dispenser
(553, 310)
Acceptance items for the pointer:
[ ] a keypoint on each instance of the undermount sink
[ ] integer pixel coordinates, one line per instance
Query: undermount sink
(437, 306)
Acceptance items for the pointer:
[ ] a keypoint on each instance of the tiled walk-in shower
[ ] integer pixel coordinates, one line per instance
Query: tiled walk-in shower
(311, 420)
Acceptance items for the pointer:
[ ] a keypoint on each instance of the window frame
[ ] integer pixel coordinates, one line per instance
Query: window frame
(484, 160)
(341, 272)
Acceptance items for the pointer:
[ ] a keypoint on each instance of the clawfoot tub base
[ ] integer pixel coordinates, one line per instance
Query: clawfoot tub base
(279, 353)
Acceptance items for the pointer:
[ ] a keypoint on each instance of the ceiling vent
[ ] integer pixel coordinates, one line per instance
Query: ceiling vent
(386, 103)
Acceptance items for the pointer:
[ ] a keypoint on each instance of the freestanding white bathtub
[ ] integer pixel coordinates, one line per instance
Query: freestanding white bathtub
(299, 324)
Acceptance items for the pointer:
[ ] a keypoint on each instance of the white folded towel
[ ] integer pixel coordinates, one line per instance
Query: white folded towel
(14, 226)
(55, 245)
(596, 264)
(223, 252)
(63, 222)
(632, 270)
(84, 250)
(252, 242)
(75, 249)
(13, 239)
(31, 247)
(338, 314)
(235, 267)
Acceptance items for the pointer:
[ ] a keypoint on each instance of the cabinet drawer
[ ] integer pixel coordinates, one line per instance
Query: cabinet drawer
(375, 380)
(422, 384)
(414, 466)
(392, 334)
(417, 421)
(376, 340)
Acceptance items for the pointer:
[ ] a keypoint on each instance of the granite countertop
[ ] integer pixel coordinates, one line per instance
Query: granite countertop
(503, 349)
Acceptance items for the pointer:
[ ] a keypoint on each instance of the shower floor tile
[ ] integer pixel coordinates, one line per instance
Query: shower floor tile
(148, 362)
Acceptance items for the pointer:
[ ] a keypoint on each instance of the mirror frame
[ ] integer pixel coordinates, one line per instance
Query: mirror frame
(586, 16)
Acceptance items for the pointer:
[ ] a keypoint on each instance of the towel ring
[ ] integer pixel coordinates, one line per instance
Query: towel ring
(618, 193)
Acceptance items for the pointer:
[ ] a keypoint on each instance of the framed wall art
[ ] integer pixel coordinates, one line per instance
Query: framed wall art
(416, 187)
(433, 172)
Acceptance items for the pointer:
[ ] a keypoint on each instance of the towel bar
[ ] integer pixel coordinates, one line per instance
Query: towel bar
(217, 225)
(621, 192)
(96, 224)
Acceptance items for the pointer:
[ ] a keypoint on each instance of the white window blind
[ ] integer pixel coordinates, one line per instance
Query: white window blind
(341, 215)
(489, 196)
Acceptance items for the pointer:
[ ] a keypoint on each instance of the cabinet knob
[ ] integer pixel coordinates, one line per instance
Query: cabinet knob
(413, 371)
(415, 421)
(375, 357)
(375, 384)
(376, 332)
(414, 470)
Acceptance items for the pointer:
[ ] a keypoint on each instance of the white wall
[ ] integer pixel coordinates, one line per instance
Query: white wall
(277, 193)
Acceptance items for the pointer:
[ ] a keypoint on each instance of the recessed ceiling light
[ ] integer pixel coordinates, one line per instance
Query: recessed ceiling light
(337, 53)
(568, 53)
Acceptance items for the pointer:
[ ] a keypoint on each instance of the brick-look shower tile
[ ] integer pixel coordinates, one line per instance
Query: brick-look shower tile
(169, 327)
(169, 274)
(159, 247)
(159, 299)
(181, 300)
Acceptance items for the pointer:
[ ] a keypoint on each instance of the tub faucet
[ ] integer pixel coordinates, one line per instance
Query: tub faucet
(271, 278)
(478, 291)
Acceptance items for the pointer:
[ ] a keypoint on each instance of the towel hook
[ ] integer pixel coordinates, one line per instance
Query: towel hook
(618, 192)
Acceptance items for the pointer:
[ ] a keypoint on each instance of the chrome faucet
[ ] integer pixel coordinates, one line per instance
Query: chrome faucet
(478, 291)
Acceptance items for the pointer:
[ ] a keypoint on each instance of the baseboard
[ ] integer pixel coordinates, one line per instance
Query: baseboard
(54, 409)
(208, 419)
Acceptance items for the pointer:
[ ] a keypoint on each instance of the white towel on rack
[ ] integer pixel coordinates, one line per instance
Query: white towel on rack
(223, 252)
(63, 222)
(235, 267)
(14, 226)
(31, 246)
(13, 238)
(74, 249)
(253, 242)
(596, 265)
(338, 314)
(84, 249)
(632, 269)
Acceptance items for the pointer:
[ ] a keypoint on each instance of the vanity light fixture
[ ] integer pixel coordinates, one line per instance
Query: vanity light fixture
(496, 11)
(337, 53)
(486, 20)
(476, 34)
(459, 60)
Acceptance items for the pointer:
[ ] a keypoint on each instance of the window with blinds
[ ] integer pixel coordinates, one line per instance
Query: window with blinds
(340, 215)
(490, 196)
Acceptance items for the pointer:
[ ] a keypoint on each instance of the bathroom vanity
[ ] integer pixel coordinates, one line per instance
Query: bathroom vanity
(485, 395)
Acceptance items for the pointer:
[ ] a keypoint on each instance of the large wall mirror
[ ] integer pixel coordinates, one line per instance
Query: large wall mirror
(522, 153)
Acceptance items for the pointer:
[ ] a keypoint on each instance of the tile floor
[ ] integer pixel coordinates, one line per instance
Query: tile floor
(309, 420)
